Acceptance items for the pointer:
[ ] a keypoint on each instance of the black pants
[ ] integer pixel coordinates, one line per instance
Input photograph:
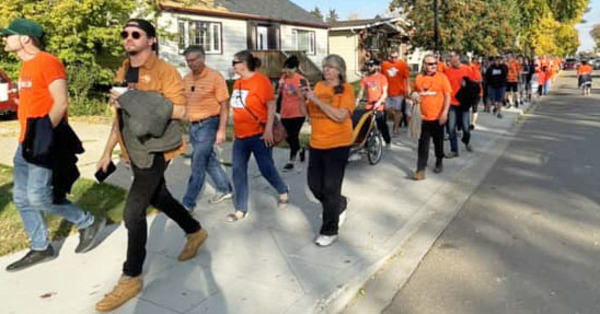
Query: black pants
(149, 188)
(293, 126)
(381, 119)
(326, 169)
(430, 129)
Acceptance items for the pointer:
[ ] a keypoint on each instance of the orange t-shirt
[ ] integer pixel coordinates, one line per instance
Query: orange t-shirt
(514, 69)
(374, 85)
(455, 76)
(477, 76)
(290, 97)
(541, 77)
(35, 77)
(441, 67)
(327, 133)
(432, 88)
(397, 75)
(585, 69)
(205, 94)
(254, 93)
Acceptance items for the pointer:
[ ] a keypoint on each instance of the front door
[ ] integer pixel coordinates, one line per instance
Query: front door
(262, 38)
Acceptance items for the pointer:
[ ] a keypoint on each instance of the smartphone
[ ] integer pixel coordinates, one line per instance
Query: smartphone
(303, 83)
(101, 175)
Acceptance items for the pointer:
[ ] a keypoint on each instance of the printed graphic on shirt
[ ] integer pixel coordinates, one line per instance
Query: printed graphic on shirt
(391, 72)
(238, 98)
(496, 72)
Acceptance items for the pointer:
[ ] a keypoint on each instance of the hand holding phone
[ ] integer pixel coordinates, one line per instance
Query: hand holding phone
(101, 175)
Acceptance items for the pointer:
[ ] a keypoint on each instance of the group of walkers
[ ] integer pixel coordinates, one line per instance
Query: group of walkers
(443, 99)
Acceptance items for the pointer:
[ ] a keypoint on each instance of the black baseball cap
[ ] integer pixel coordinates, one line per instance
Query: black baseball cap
(143, 25)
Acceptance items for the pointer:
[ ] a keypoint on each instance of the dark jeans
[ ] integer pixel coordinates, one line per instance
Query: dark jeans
(242, 148)
(381, 119)
(149, 188)
(430, 129)
(458, 117)
(325, 176)
(292, 127)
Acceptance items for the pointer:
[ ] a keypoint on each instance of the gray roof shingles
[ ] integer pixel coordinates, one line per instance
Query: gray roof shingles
(273, 9)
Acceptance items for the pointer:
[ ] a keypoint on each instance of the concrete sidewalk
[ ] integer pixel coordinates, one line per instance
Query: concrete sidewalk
(266, 263)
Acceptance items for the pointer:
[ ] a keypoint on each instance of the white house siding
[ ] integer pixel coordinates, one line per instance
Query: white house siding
(287, 41)
(233, 34)
(345, 44)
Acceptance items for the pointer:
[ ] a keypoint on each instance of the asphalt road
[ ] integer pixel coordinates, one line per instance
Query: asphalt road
(528, 240)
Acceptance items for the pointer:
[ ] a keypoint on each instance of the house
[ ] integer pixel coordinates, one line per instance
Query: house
(271, 29)
(359, 40)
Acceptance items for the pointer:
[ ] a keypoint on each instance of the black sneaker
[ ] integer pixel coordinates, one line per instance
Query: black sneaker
(32, 258)
(439, 167)
(288, 167)
(87, 236)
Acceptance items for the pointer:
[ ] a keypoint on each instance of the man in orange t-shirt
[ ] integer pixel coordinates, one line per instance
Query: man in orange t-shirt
(435, 92)
(584, 77)
(397, 73)
(512, 81)
(42, 94)
(376, 86)
(457, 115)
(207, 109)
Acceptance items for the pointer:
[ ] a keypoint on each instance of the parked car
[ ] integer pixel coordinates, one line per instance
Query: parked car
(596, 63)
(570, 64)
(8, 105)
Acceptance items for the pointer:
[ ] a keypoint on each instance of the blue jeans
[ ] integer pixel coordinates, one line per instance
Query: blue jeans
(458, 117)
(546, 85)
(204, 159)
(32, 194)
(242, 148)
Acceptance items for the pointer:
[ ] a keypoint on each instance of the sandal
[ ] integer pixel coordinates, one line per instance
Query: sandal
(236, 215)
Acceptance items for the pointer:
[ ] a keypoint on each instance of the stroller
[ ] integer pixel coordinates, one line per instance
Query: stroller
(366, 137)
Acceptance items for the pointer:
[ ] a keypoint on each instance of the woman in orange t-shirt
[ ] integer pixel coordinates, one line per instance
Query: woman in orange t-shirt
(253, 104)
(330, 108)
(292, 116)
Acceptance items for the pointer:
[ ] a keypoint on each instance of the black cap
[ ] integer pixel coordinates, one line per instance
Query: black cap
(143, 25)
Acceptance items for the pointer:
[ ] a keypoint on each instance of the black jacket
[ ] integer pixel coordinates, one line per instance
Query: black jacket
(468, 94)
(56, 149)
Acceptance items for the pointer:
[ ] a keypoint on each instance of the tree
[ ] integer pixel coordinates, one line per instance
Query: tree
(317, 13)
(332, 17)
(595, 33)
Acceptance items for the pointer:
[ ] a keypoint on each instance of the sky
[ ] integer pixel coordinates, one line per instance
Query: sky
(346, 7)
(592, 17)
(364, 9)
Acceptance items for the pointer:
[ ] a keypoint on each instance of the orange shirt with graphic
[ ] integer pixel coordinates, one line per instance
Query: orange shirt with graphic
(35, 77)
(397, 75)
(204, 94)
(374, 86)
(584, 69)
(327, 133)
(514, 71)
(254, 93)
(290, 97)
(455, 76)
(432, 88)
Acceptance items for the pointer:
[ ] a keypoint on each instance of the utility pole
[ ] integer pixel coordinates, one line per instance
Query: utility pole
(436, 36)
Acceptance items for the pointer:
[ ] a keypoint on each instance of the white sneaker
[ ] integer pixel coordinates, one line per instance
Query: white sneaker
(219, 197)
(325, 240)
(342, 219)
(354, 157)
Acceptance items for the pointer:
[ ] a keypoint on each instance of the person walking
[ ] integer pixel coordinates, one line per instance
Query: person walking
(476, 70)
(207, 109)
(330, 106)
(253, 103)
(376, 86)
(435, 93)
(151, 82)
(292, 116)
(42, 94)
(397, 74)
(458, 115)
(495, 77)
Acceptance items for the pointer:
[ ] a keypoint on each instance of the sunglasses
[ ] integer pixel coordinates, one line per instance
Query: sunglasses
(134, 34)
(430, 63)
(234, 62)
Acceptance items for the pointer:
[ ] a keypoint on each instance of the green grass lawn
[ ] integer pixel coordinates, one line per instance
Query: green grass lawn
(100, 199)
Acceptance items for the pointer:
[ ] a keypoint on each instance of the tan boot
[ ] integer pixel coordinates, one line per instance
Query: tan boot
(125, 290)
(419, 175)
(194, 241)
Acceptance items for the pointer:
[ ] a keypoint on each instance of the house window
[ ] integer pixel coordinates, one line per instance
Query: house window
(304, 41)
(205, 34)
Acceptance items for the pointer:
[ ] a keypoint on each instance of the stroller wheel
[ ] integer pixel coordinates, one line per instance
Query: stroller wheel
(374, 148)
